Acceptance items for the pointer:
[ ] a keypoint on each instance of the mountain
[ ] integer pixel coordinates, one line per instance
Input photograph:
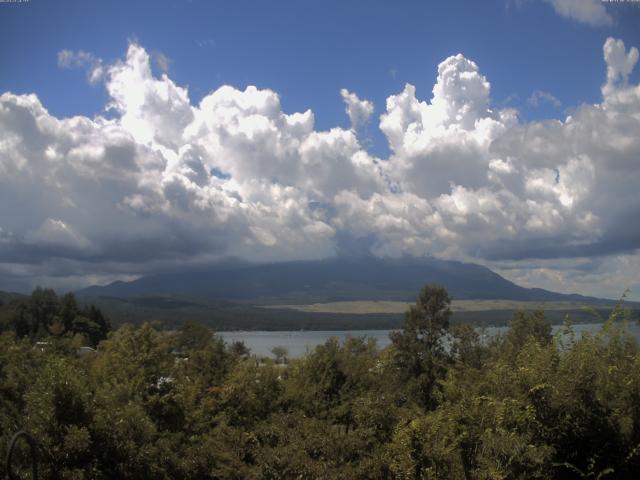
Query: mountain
(330, 280)
(6, 297)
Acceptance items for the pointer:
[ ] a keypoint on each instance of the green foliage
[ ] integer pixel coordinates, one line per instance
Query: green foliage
(193, 336)
(419, 351)
(44, 314)
(437, 403)
(280, 353)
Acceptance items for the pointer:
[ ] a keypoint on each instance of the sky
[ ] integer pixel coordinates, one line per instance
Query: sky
(140, 137)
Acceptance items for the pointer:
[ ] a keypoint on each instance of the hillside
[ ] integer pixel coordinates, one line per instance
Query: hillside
(331, 280)
(331, 294)
(6, 297)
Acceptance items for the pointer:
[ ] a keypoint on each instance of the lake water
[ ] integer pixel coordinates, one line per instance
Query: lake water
(300, 342)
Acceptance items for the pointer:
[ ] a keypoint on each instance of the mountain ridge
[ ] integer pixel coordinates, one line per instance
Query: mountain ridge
(330, 280)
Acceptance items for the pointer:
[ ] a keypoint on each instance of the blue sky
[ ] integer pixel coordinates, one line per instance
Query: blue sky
(308, 50)
(512, 161)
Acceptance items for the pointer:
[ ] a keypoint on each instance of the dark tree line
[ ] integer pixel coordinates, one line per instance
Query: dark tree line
(44, 314)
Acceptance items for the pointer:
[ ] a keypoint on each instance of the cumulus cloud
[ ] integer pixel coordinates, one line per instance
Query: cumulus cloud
(165, 181)
(359, 111)
(591, 12)
(620, 64)
(445, 141)
(154, 111)
(139, 189)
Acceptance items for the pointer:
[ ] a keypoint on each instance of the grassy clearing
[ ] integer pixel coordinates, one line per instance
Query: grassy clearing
(367, 307)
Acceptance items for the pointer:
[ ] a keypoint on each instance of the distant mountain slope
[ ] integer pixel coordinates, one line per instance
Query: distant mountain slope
(6, 297)
(330, 280)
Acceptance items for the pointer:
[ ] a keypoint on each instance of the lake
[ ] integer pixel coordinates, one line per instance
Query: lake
(300, 342)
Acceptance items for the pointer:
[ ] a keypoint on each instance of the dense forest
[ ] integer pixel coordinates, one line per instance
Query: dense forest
(441, 402)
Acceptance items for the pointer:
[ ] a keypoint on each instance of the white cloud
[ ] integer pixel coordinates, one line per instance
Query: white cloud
(446, 140)
(591, 12)
(162, 61)
(152, 110)
(600, 276)
(619, 64)
(539, 97)
(168, 181)
(82, 59)
(359, 111)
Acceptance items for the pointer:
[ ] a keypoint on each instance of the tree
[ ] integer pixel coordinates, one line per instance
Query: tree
(239, 349)
(91, 322)
(526, 327)
(193, 336)
(88, 322)
(16, 316)
(419, 353)
(58, 414)
(44, 313)
(251, 392)
(44, 305)
(316, 381)
(280, 353)
(466, 348)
